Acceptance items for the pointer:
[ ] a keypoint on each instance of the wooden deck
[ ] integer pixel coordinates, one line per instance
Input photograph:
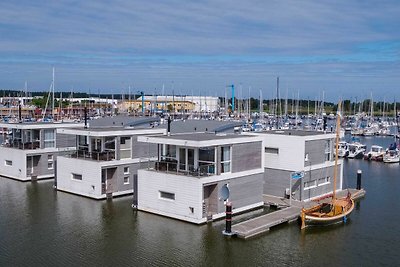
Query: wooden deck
(263, 223)
(286, 214)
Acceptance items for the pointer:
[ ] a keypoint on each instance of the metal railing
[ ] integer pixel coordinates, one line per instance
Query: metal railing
(22, 145)
(173, 167)
(94, 155)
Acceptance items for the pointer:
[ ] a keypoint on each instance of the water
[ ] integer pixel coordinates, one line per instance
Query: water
(42, 227)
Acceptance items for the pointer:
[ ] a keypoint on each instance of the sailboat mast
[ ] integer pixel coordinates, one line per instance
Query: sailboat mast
(336, 150)
(52, 102)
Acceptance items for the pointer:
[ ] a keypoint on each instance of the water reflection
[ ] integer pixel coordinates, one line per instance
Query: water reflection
(39, 226)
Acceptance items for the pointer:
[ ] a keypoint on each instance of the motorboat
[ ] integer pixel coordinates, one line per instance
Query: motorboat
(356, 131)
(392, 154)
(356, 150)
(343, 149)
(376, 153)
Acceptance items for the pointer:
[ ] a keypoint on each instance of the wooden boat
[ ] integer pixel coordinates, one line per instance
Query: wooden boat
(333, 210)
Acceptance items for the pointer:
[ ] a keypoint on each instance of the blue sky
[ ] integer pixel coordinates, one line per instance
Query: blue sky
(345, 48)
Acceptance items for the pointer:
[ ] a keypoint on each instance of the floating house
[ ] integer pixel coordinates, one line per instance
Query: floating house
(29, 150)
(106, 160)
(196, 172)
(307, 152)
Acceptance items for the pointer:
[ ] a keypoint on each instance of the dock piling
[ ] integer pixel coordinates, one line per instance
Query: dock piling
(228, 220)
(359, 173)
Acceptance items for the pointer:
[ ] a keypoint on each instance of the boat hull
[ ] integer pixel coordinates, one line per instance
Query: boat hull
(310, 220)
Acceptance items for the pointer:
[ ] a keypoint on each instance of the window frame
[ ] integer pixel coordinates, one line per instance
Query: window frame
(73, 175)
(164, 195)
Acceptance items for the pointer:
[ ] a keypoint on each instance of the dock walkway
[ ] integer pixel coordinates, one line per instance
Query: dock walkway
(286, 214)
(262, 224)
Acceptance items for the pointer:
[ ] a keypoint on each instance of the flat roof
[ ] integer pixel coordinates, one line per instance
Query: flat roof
(202, 136)
(200, 139)
(39, 125)
(110, 131)
(296, 132)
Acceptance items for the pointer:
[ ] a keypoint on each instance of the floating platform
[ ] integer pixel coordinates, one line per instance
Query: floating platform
(263, 223)
(286, 214)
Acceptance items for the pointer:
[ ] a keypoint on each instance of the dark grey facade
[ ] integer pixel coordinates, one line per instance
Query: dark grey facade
(244, 191)
(65, 140)
(276, 183)
(246, 156)
(316, 151)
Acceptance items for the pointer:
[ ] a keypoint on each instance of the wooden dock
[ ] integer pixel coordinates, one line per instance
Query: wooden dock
(263, 223)
(286, 214)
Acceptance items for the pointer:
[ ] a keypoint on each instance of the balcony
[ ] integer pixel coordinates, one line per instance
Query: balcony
(22, 145)
(173, 167)
(94, 155)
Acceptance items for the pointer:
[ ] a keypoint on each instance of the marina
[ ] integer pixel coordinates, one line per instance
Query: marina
(286, 214)
(56, 228)
(180, 171)
(199, 133)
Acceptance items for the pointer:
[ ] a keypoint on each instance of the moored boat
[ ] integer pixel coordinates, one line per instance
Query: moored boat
(333, 210)
(376, 153)
(343, 149)
(392, 154)
(356, 150)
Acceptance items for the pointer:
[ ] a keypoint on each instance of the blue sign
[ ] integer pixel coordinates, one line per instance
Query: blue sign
(297, 175)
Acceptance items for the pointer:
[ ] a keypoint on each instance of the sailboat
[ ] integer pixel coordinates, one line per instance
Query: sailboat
(336, 209)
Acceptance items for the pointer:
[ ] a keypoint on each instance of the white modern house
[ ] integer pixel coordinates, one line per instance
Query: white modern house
(29, 150)
(106, 161)
(311, 152)
(194, 171)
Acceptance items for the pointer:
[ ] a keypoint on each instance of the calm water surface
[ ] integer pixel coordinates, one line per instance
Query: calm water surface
(42, 227)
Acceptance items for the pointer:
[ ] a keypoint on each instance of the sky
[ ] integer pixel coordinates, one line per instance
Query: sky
(340, 49)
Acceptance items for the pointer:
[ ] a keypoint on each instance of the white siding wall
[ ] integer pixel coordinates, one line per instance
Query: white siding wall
(91, 176)
(291, 152)
(18, 168)
(188, 193)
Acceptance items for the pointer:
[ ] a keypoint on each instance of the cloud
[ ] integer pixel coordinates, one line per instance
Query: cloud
(222, 40)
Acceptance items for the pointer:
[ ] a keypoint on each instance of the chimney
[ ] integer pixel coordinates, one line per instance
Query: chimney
(19, 113)
(169, 126)
(85, 112)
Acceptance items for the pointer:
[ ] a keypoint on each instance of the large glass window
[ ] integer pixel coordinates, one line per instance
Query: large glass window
(169, 152)
(190, 159)
(225, 159)
(182, 158)
(83, 143)
(207, 160)
(109, 143)
(49, 138)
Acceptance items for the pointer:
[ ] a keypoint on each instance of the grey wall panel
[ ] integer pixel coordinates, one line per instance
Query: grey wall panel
(42, 167)
(317, 175)
(119, 175)
(244, 191)
(246, 156)
(316, 151)
(65, 140)
(276, 182)
(142, 149)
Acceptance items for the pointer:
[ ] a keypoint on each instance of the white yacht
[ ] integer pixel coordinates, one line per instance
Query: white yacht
(376, 153)
(392, 156)
(356, 150)
(356, 131)
(343, 149)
